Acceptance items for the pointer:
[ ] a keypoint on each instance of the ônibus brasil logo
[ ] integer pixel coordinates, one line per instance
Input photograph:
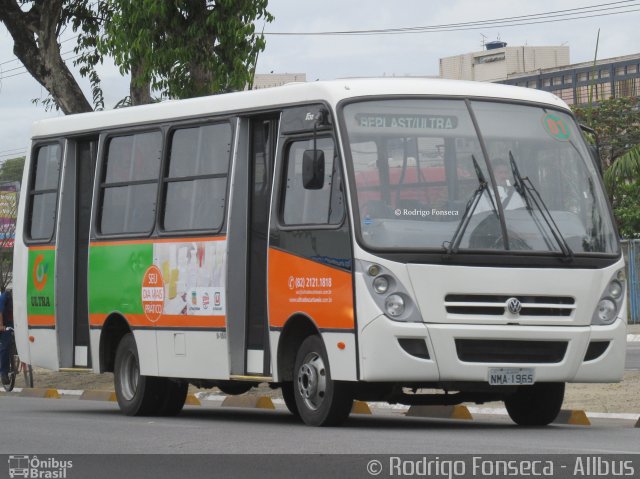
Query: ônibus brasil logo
(39, 273)
(153, 293)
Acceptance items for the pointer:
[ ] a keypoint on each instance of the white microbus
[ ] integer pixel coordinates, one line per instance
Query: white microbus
(352, 239)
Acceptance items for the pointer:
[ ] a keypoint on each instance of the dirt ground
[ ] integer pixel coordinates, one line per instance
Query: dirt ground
(621, 397)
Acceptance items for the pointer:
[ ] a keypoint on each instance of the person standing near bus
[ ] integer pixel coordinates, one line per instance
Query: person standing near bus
(6, 321)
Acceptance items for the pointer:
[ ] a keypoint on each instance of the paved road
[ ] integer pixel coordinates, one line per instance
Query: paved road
(57, 426)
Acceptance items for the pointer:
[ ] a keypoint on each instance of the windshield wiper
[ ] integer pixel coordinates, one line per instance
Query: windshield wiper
(453, 244)
(530, 194)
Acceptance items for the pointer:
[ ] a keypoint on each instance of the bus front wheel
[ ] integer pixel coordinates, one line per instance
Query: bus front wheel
(535, 405)
(320, 400)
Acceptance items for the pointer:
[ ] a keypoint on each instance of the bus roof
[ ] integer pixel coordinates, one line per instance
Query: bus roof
(295, 93)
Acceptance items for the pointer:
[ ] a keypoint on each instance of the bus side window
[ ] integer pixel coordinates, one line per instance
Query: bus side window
(196, 181)
(130, 183)
(44, 192)
(313, 207)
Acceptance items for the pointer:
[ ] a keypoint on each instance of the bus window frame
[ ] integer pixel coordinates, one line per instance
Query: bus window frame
(164, 172)
(282, 187)
(33, 159)
(475, 256)
(101, 185)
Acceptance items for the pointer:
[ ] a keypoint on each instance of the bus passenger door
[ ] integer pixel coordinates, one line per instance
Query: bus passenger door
(72, 314)
(247, 238)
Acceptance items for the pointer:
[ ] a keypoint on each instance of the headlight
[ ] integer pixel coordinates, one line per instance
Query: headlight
(394, 305)
(381, 284)
(607, 311)
(615, 289)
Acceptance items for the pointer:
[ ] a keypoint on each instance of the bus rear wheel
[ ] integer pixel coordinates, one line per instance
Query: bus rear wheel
(139, 395)
(320, 400)
(535, 405)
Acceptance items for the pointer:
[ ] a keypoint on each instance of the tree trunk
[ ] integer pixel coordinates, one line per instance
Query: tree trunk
(139, 90)
(35, 36)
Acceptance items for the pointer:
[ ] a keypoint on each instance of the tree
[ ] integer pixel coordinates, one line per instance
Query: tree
(11, 170)
(617, 124)
(185, 48)
(178, 48)
(35, 27)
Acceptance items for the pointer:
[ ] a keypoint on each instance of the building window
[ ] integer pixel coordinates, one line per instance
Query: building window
(302, 206)
(620, 71)
(44, 192)
(628, 87)
(532, 83)
(546, 82)
(568, 79)
(196, 180)
(632, 69)
(604, 73)
(130, 185)
(557, 81)
(583, 76)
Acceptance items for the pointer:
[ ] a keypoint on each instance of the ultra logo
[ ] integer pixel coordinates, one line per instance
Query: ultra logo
(39, 273)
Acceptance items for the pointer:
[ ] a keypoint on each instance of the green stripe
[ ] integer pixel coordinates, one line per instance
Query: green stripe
(115, 277)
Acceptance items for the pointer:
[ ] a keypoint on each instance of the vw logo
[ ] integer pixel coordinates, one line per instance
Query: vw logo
(514, 306)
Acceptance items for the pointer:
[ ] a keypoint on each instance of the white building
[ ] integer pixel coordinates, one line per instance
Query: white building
(269, 80)
(499, 61)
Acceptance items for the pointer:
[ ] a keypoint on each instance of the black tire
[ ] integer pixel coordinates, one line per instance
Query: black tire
(137, 395)
(28, 375)
(234, 388)
(289, 398)
(174, 394)
(320, 400)
(14, 366)
(535, 405)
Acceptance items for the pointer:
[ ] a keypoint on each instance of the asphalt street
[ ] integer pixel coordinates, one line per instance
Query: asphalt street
(72, 426)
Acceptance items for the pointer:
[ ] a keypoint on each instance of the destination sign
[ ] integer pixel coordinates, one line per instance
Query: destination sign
(415, 122)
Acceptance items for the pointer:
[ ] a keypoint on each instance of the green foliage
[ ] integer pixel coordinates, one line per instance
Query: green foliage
(185, 48)
(626, 208)
(617, 124)
(626, 169)
(11, 170)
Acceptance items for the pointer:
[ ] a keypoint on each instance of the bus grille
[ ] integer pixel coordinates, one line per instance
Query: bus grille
(510, 351)
(496, 305)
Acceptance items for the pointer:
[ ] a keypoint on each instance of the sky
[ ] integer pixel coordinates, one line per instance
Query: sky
(328, 57)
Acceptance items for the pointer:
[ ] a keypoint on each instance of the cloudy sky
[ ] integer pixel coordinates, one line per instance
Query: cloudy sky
(335, 56)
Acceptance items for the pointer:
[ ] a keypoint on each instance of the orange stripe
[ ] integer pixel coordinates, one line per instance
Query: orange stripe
(299, 285)
(41, 320)
(42, 248)
(157, 240)
(166, 321)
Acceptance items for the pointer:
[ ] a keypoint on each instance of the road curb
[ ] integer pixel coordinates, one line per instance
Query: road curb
(575, 417)
(98, 395)
(360, 407)
(39, 393)
(255, 402)
(445, 412)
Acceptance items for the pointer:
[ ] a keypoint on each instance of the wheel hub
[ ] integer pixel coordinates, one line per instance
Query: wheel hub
(312, 381)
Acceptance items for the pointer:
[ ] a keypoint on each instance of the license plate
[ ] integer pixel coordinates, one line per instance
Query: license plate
(511, 376)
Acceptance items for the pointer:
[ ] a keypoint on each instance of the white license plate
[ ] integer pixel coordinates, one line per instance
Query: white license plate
(511, 376)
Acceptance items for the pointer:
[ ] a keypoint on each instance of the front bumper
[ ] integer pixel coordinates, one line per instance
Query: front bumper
(383, 359)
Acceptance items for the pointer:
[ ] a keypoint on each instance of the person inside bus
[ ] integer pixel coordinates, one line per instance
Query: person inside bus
(6, 321)
(510, 198)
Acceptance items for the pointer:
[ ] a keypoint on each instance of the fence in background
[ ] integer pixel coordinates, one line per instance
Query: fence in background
(631, 249)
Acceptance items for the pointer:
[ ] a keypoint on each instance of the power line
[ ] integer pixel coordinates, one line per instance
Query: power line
(498, 22)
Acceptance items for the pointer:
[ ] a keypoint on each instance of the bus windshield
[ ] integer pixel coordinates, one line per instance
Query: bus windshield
(484, 175)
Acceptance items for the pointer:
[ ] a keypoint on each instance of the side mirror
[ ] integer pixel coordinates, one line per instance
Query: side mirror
(313, 169)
